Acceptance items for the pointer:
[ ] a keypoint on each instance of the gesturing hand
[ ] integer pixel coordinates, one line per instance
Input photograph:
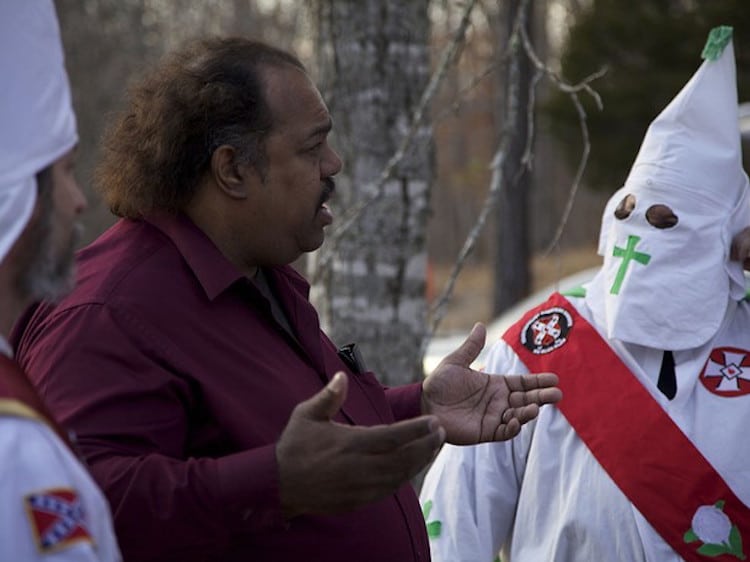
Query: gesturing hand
(328, 467)
(475, 407)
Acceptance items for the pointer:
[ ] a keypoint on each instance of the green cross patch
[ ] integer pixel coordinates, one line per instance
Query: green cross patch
(433, 527)
(627, 254)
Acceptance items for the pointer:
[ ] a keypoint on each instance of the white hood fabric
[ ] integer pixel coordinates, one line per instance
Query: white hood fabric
(37, 123)
(669, 288)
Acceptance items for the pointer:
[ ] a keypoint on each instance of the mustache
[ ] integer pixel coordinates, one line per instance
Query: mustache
(329, 187)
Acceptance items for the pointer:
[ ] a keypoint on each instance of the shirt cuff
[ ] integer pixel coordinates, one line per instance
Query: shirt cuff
(248, 484)
(405, 401)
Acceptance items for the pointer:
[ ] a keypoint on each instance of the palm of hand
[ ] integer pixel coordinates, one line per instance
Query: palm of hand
(475, 407)
(472, 406)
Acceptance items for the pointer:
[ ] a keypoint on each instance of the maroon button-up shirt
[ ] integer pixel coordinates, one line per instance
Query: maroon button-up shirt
(169, 367)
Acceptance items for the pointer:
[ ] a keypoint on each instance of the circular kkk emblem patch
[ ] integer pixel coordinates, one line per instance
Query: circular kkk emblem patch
(727, 372)
(547, 330)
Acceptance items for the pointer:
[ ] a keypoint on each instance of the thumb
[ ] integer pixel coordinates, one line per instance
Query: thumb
(469, 350)
(326, 403)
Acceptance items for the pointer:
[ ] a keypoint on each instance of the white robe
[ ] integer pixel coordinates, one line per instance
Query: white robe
(543, 497)
(33, 459)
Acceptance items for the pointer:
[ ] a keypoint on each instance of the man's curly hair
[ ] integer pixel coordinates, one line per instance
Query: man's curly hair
(208, 94)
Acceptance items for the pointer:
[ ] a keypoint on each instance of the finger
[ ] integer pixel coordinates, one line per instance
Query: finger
(387, 438)
(378, 474)
(531, 381)
(508, 428)
(403, 463)
(539, 396)
(541, 380)
(469, 350)
(513, 419)
(522, 414)
(326, 403)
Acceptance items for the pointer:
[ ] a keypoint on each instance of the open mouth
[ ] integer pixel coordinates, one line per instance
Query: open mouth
(328, 188)
(323, 208)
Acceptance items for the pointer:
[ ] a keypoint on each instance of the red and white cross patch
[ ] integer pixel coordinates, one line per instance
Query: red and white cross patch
(727, 372)
(547, 330)
(57, 519)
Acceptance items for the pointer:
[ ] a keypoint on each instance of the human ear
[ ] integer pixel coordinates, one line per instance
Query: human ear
(227, 173)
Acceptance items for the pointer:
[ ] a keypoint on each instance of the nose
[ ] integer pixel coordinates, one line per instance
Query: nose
(332, 164)
(78, 199)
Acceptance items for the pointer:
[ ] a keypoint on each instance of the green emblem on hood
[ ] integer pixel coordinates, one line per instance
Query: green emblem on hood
(718, 39)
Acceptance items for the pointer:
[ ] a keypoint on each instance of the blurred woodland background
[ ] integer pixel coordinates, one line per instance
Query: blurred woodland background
(481, 133)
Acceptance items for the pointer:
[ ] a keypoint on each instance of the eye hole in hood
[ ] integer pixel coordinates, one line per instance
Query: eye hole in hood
(625, 207)
(661, 216)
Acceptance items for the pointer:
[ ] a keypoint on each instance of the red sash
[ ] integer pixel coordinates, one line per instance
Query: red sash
(657, 467)
(18, 396)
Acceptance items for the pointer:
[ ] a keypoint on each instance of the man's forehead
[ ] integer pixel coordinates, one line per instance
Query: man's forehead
(294, 99)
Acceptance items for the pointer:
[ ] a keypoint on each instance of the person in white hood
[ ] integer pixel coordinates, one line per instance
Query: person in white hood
(50, 508)
(646, 458)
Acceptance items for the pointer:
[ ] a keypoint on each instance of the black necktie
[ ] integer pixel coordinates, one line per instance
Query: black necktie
(667, 380)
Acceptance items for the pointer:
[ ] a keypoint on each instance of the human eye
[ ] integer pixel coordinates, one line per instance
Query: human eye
(314, 149)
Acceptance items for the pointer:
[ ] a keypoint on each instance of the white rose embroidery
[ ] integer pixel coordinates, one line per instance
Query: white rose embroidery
(716, 531)
(711, 525)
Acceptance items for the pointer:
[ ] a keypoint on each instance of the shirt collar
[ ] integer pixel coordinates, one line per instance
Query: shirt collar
(214, 272)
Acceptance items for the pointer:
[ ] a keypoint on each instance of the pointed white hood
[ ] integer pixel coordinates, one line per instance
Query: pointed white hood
(37, 124)
(669, 288)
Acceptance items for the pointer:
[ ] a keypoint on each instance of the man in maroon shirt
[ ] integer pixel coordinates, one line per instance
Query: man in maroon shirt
(219, 419)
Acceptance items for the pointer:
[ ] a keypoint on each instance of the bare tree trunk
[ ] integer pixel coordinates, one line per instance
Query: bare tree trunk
(372, 293)
(512, 258)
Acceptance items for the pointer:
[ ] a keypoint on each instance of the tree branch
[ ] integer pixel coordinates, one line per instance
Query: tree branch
(577, 179)
(497, 182)
(455, 105)
(572, 90)
(527, 159)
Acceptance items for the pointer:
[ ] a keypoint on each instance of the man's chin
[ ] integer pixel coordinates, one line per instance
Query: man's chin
(318, 245)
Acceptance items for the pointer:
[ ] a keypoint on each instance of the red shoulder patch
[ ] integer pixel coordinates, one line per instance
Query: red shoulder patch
(727, 372)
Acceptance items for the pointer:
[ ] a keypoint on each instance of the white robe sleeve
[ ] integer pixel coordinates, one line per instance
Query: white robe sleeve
(470, 493)
(38, 473)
